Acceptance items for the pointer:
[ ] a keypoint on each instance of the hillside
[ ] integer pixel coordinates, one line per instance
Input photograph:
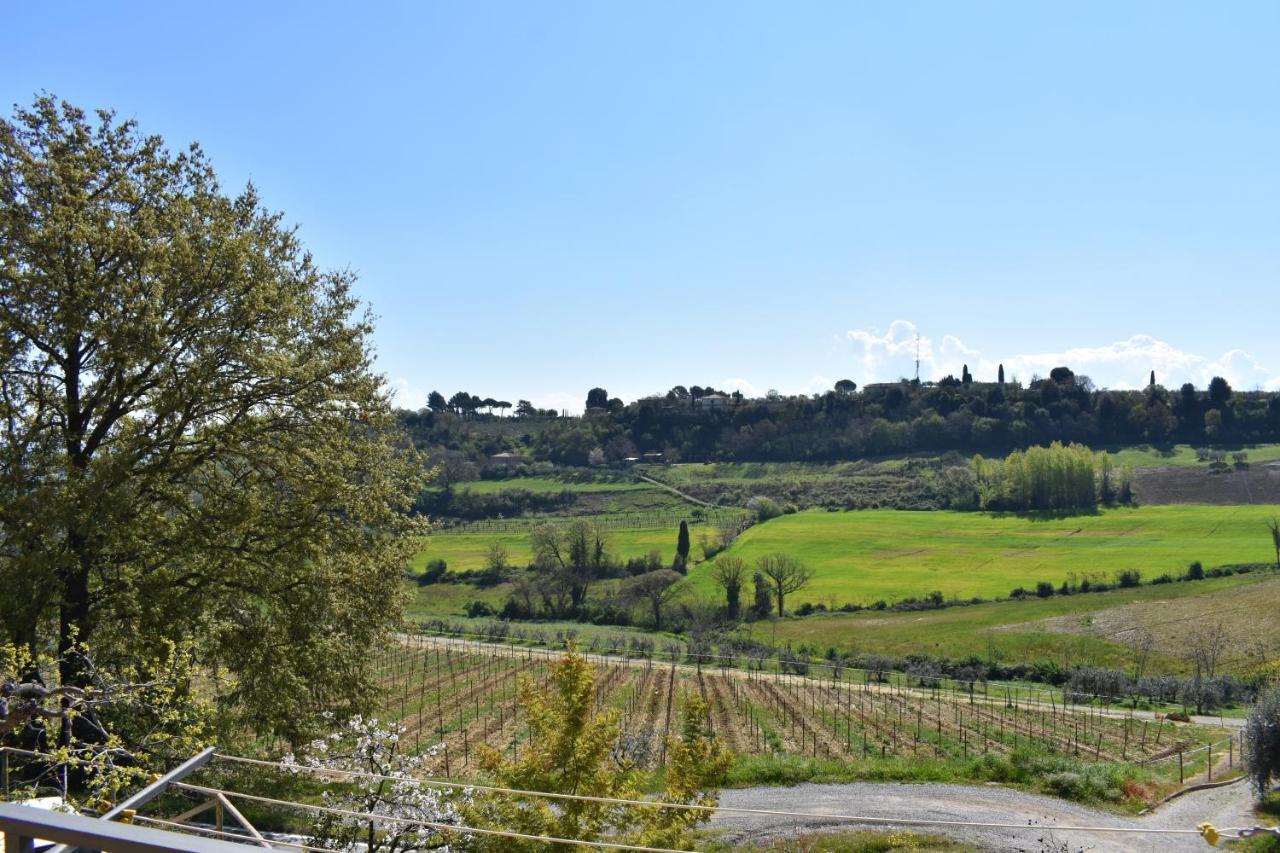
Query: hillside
(859, 557)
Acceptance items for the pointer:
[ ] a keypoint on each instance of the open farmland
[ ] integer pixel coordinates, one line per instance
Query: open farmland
(873, 555)
(1184, 455)
(1085, 629)
(465, 694)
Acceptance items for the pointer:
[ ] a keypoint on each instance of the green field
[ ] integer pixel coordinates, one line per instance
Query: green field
(1071, 630)
(870, 555)
(466, 551)
(1184, 455)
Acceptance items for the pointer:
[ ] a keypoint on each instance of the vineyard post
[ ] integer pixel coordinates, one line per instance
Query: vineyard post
(1181, 776)
(1208, 750)
(1231, 752)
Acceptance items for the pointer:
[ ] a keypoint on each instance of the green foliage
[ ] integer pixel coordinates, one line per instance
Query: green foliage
(570, 750)
(194, 444)
(127, 720)
(1042, 478)
(1262, 741)
(682, 547)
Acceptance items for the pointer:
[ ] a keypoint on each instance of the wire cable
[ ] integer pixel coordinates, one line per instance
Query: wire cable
(437, 825)
(693, 806)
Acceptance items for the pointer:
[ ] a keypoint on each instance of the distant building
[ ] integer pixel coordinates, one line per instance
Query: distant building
(654, 457)
(713, 401)
(506, 459)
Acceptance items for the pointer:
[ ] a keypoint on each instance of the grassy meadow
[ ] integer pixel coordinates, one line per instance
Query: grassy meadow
(1078, 629)
(872, 555)
(1184, 455)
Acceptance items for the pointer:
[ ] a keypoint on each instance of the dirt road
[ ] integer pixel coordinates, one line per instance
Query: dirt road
(1043, 817)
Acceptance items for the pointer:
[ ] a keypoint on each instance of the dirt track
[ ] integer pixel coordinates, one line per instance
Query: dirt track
(1226, 807)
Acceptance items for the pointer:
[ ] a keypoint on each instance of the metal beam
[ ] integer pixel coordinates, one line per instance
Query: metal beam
(21, 824)
(149, 793)
(158, 787)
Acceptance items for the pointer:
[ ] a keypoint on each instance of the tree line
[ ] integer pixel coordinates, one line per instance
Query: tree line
(900, 417)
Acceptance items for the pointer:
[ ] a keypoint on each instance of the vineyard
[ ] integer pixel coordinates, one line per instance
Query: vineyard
(459, 695)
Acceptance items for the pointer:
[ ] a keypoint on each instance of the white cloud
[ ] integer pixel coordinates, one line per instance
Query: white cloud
(405, 395)
(739, 384)
(574, 404)
(878, 357)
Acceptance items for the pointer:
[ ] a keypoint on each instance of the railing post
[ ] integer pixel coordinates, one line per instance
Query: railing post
(4, 773)
(15, 843)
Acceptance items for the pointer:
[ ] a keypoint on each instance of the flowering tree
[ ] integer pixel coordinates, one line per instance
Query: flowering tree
(384, 789)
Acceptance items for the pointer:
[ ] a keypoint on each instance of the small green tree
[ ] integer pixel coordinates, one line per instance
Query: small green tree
(682, 548)
(1262, 741)
(696, 767)
(731, 573)
(1274, 526)
(570, 750)
(763, 603)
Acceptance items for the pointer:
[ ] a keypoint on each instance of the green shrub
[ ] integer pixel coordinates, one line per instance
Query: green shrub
(1262, 741)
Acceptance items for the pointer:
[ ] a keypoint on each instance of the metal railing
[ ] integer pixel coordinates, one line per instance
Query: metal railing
(22, 826)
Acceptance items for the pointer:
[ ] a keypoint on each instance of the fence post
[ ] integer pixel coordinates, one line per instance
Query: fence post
(1208, 750)
(1181, 777)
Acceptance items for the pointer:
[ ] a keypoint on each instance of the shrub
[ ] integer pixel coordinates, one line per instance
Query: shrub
(476, 609)
(1262, 740)
(433, 573)
(1195, 571)
(1044, 589)
(764, 508)
(1164, 578)
(1128, 578)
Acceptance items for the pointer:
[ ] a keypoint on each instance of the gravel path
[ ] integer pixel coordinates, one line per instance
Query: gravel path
(1227, 807)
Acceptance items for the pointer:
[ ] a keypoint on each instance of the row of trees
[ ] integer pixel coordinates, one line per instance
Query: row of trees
(905, 417)
(1050, 478)
(469, 405)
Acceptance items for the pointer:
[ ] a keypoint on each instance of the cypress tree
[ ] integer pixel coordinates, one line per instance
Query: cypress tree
(1000, 375)
(682, 548)
(1152, 383)
(764, 596)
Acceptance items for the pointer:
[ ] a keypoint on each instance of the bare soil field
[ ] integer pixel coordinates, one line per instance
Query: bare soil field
(1256, 483)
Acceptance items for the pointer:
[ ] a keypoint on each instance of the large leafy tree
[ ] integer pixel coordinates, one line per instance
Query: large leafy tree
(192, 443)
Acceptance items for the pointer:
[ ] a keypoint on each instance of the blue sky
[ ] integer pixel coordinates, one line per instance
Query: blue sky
(543, 197)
